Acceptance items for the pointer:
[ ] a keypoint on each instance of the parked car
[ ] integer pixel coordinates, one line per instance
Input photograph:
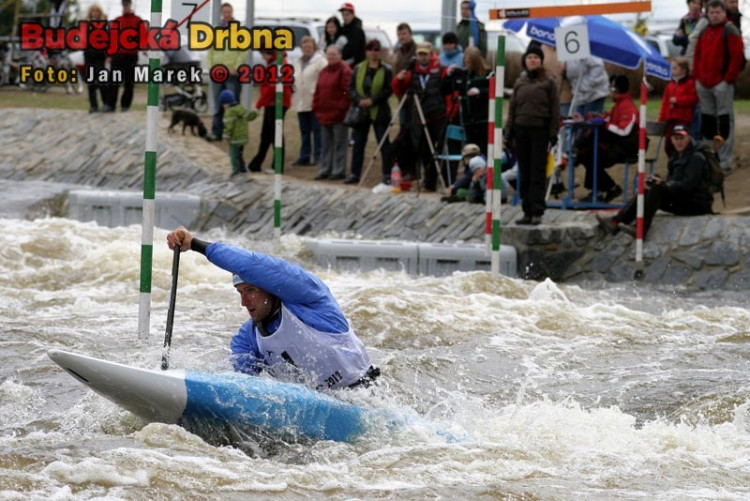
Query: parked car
(662, 42)
(435, 37)
(314, 27)
(386, 47)
(300, 26)
(513, 43)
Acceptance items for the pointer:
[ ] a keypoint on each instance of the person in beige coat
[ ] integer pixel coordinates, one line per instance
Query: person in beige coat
(306, 70)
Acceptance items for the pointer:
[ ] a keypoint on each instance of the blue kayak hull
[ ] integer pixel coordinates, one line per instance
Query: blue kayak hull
(199, 400)
(271, 405)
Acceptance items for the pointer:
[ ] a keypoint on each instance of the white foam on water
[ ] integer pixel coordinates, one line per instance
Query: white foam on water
(551, 390)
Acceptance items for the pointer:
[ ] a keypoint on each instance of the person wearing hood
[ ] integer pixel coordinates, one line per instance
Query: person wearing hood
(235, 129)
(354, 50)
(429, 81)
(297, 331)
(267, 102)
(533, 119)
(678, 102)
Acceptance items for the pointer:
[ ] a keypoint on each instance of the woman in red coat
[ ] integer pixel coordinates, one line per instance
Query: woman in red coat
(330, 104)
(679, 101)
(267, 102)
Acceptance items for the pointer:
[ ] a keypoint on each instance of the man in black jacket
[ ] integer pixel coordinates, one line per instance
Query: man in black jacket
(430, 82)
(354, 50)
(685, 192)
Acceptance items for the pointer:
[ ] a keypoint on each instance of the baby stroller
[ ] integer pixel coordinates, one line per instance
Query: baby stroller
(185, 95)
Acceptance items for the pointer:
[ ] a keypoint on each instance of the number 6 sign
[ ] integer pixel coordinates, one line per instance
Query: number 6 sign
(572, 42)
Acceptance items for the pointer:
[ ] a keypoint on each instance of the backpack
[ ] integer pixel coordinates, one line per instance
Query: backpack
(743, 64)
(715, 174)
(735, 31)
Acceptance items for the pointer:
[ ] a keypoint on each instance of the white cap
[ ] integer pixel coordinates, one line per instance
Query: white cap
(477, 162)
(236, 280)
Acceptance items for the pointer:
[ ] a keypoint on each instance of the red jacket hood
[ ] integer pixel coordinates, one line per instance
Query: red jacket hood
(431, 66)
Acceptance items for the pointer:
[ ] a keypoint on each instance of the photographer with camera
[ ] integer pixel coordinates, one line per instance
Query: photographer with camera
(685, 192)
(429, 82)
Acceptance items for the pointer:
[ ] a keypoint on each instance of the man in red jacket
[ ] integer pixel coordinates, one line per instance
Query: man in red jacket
(430, 82)
(716, 65)
(267, 102)
(617, 142)
(330, 104)
(125, 60)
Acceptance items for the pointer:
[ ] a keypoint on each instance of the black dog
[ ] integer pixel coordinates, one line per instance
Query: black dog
(188, 119)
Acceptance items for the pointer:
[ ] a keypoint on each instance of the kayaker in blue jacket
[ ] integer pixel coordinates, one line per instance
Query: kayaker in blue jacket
(297, 331)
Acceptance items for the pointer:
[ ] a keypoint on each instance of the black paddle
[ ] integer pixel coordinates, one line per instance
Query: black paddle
(170, 312)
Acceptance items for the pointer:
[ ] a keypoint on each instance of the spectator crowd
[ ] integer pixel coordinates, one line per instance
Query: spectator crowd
(344, 85)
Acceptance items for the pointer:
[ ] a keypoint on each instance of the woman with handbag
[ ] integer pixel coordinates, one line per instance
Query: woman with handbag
(370, 89)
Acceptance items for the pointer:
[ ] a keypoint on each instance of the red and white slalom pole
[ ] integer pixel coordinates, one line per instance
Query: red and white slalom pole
(641, 174)
(490, 168)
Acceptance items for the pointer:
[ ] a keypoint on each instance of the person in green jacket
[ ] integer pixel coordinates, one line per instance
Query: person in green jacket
(235, 128)
(467, 37)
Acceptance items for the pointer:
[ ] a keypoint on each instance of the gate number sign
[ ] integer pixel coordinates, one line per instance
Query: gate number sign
(572, 42)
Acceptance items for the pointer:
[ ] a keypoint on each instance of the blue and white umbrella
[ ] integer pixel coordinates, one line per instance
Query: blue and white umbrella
(609, 41)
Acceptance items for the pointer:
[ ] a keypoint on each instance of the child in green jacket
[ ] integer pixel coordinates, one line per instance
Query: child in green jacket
(235, 128)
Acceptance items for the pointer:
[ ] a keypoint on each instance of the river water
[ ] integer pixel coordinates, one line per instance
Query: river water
(555, 391)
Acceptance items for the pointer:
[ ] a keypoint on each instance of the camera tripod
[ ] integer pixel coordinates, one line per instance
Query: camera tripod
(426, 131)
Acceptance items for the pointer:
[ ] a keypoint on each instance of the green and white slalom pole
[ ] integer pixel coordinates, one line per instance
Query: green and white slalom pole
(278, 153)
(498, 155)
(149, 186)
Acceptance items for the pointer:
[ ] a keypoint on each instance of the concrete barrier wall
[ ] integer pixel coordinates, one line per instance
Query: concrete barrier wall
(119, 208)
(411, 257)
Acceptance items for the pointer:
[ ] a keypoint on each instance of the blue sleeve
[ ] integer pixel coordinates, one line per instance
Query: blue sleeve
(287, 281)
(302, 292)
(246, 356)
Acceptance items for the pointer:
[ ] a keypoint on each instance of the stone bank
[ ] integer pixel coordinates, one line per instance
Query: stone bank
(71, 149)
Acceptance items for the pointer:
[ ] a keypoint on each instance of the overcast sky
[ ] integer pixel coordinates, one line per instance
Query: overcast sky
(388, 13)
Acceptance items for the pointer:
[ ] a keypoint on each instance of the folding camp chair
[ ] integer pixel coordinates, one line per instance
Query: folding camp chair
(452, 133)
